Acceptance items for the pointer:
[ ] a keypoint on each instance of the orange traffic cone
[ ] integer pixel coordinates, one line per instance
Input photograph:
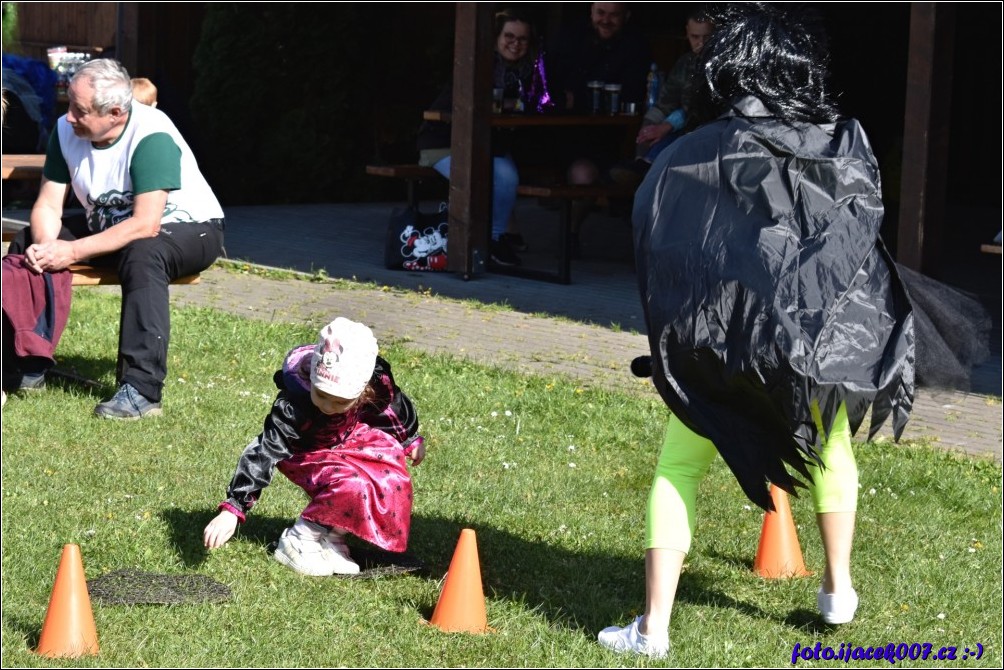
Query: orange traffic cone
(779, 554)
(69, 629)
(461, 606)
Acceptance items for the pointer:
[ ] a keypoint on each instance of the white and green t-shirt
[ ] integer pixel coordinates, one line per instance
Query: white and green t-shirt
(149, 155)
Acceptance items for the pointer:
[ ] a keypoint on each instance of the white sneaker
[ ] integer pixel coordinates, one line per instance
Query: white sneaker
(305, 555)
(341, 560)
(837, 607)
(318, 557)
(630, 638)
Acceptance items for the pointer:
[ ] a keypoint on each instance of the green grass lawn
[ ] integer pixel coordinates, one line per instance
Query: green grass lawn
(552, 478)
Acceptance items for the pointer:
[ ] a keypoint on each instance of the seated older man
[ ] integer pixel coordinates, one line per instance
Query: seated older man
(148, 213)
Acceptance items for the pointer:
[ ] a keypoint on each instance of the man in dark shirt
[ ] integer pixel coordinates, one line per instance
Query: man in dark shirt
(610, 49)
(606, 48)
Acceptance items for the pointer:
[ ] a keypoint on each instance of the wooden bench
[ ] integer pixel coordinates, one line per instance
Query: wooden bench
(564, 193)
(29, 166)
(23, 166)
(410, 173)
(88, 275)
(567, 194)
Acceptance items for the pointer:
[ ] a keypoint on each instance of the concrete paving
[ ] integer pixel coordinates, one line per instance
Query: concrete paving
(588, 331)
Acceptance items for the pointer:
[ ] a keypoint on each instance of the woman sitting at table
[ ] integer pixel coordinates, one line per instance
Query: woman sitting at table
(519, 72)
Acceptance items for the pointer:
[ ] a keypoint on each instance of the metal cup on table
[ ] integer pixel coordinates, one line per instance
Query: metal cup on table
(596, 87)
(613, 95)
(497, 96)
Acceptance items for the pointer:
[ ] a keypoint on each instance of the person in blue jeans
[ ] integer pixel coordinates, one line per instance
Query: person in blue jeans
(519, 73)
(505, 179)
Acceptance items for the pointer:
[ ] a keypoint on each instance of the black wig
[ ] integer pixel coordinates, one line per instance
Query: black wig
(776, 53)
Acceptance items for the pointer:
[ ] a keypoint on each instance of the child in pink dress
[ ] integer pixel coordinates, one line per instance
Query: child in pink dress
(340, 429)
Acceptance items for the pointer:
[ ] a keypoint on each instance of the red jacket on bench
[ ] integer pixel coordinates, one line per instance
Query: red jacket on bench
(40, 310)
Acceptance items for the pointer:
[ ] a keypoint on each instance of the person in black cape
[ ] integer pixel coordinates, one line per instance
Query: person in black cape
(776, 318)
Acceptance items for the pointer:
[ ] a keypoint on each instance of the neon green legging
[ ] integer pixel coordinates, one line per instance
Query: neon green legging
(686, 457)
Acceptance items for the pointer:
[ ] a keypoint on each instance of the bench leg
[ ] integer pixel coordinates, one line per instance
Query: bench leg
(563, 275)
(565, 243)
(412, 194)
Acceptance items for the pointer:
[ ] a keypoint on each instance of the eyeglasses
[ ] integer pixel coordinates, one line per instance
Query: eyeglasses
(521, 39)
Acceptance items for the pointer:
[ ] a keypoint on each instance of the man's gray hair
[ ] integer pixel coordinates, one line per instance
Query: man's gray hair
(111, 83)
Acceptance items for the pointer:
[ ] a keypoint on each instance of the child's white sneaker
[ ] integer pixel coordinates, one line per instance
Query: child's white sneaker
(630, 638)
(837, 607)
(341, 560)
(305, 555)
(317, 556)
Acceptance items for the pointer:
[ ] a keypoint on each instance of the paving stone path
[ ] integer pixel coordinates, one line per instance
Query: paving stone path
(539, 345)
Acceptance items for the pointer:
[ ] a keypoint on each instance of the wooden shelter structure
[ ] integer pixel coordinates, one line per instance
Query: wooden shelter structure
(925, 142)
(160, 37)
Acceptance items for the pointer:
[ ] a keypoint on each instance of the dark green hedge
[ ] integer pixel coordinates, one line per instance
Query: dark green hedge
(294, 99)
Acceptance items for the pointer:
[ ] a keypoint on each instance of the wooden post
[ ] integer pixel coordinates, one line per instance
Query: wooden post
(470, 144)
(127, 37)
(925, 136)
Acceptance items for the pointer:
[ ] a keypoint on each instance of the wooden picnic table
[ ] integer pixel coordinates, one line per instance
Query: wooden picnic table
(507, 120)
(628, 123)
(472, 120)
(550, 187)
(23, 166)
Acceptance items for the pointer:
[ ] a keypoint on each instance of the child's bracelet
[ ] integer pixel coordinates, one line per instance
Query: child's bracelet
(413, 444)
(233, 510)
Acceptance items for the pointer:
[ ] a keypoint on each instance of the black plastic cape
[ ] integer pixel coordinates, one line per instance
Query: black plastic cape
(766, 287)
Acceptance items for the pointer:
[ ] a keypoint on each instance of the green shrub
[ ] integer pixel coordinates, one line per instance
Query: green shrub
(293, 99)
(10, 34)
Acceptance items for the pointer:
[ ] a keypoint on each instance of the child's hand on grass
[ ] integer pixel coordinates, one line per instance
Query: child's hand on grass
(417, 452)
(219, 530)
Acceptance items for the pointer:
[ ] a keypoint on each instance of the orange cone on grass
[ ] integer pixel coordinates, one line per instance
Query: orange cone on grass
(68, 631)
(461, 606)
(779, 554)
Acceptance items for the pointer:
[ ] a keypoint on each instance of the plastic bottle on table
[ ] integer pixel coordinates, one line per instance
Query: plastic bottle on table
(520, 106)
(654, 84)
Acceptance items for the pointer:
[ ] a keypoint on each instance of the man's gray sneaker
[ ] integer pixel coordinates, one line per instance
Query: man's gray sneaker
(127, 403)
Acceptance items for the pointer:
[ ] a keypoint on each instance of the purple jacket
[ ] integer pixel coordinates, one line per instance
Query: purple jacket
(37, 306)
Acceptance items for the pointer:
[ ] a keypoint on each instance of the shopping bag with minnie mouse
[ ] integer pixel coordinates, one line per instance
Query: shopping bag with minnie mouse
(417, 241)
